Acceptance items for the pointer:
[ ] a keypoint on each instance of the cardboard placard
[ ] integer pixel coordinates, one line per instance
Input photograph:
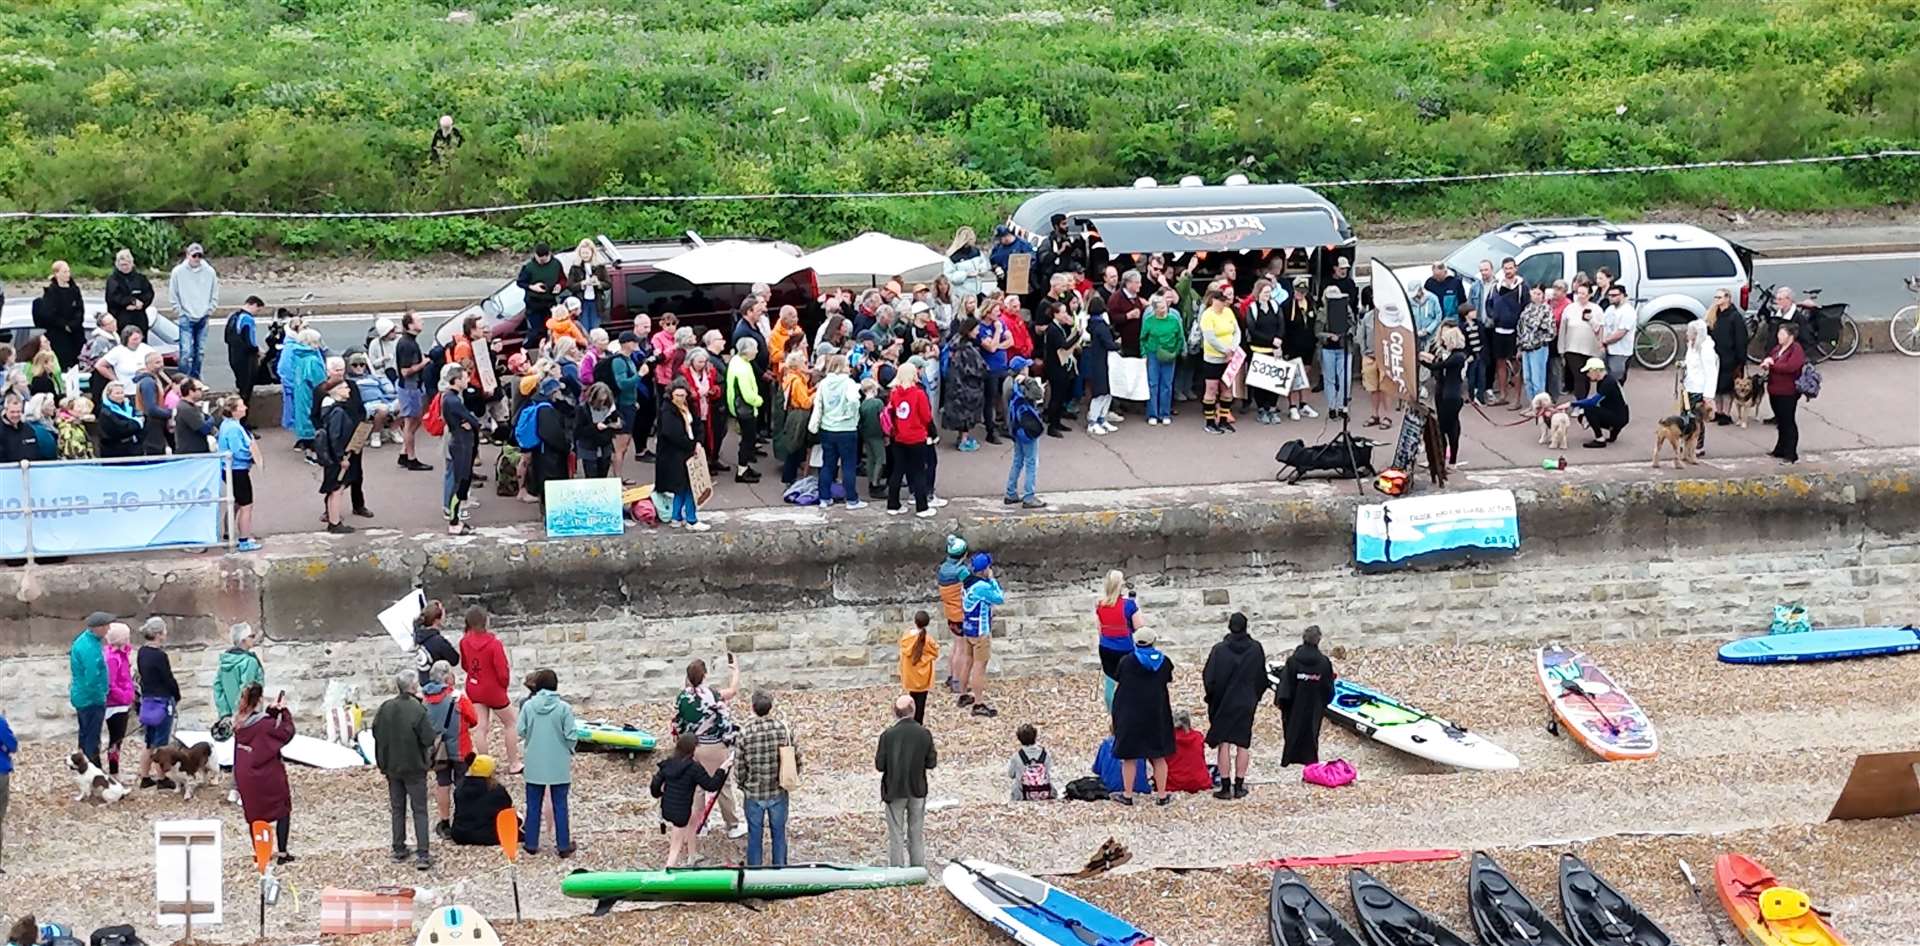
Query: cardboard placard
(358, 442)
(1019, 272)
(483, 365)
(398, 618)
(699, 477)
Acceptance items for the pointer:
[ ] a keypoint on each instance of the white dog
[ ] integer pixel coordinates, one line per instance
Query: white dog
(93, 785)
(1553, 423)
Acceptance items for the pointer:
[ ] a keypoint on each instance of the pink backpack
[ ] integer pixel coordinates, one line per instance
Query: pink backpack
(1329, 774)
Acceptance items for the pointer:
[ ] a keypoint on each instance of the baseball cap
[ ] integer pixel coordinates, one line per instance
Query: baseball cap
(626, 337)
(920, 307)
(194, 249)
(1018, 363)
(1002, 230)
(886, 374)
(1594, 364)
(481, 766)
(981, 561)
(99, 619)
(1145, 637)
(573, 303)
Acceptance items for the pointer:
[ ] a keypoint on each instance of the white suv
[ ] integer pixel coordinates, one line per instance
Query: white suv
(1670, 270)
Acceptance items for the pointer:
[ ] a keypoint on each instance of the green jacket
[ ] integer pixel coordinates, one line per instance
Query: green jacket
(403, 738)
(547, 735)
(870, 430)
(88, 664)
(1163, 335)
(626, 380)
(741, 385)
(237, 669)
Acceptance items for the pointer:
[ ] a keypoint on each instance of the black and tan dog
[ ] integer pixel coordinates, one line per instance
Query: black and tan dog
(1681, 431)
(1748, 391)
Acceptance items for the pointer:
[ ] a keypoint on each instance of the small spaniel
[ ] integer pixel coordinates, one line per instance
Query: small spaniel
(185, 767)
(93, 785)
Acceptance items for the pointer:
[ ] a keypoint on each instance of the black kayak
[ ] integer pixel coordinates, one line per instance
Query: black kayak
(1390, 920)
(1296, 916)
(1599, 915)
(1502, 915)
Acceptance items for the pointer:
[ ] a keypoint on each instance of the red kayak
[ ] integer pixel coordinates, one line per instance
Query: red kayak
(1765, 912)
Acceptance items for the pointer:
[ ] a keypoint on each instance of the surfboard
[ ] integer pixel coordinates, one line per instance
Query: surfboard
(457, 926)
(734, 883)
(1414, 731)
(305, 750)
(603, 735)
(1034, 912)
(1589, 706)
(1832, 643)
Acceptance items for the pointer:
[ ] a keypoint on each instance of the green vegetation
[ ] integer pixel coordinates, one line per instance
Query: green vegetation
(328, 105)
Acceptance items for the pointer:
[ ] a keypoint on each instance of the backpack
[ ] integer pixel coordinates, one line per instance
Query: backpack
(506, 473)
(886, 420)
(116, 936)
(1808, 384)
(433, 420)
(1029, 420)
(526, 426)
(1035, 783)
(234, 338)
(434, 359)
(1086, 788)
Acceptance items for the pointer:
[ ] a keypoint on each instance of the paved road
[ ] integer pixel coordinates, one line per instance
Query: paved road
(1872, 401)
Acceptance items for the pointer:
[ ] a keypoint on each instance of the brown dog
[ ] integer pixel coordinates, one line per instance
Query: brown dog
(1748, 389)
(1681, 431)
(185, 767)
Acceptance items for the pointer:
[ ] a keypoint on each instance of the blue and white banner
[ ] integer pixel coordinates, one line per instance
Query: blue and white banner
(1419, 528)
(82, 507)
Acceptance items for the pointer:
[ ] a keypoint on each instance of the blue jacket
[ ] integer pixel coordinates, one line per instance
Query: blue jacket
(977, 602)
(1107, 766)
(234, 439)
(1426, 315)
(301, 368)
(1000, 252)
(1018, 407)
(8, 746)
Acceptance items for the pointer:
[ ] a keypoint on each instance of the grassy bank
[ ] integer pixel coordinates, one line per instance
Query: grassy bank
(328, 105)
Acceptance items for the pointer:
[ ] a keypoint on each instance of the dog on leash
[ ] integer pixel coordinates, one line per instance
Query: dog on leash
(1748, 389)
(186, 767)
(1553, 423)
(91, 784)
(1680, 432)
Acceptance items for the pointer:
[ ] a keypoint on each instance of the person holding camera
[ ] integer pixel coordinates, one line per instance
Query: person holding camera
(701, 710)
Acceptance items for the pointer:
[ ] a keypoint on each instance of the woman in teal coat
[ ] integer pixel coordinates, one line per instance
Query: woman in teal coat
(547, 728)
(302, 368)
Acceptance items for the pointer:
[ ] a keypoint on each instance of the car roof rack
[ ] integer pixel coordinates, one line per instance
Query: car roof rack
(1555, 222)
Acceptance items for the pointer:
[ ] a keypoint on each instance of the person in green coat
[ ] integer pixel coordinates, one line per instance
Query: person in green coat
(547, 738)
(743, 404)
(87, 691)
(1163, 339)
(239, 666)
(403, 741)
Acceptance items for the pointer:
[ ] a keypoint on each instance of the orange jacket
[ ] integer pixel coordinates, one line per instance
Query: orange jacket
(917, 677)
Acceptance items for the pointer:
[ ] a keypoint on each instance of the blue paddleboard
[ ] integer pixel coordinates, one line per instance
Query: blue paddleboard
(1833, 643)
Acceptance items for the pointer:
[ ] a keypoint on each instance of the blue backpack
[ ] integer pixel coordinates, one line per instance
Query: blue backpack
(526, 427)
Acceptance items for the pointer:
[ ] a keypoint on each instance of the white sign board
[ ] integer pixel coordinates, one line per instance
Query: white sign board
(1421, 528)
(398, 618)
(186, 871)
(1271, 374)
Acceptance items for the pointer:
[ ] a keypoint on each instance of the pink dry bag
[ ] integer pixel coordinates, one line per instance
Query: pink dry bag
(1329, 774)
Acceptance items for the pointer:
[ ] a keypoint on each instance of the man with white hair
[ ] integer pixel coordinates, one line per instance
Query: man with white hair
(446, 138)
(403, 742)
(904, 756)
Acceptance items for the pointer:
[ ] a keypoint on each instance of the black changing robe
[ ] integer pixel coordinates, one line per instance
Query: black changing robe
(1305, 687)
(1234, 679)
(1142, 711)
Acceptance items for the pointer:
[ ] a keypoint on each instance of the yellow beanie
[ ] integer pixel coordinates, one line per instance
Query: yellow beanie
(481, 766)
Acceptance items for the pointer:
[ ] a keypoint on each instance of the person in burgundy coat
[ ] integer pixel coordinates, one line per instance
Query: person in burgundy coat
(258, 771)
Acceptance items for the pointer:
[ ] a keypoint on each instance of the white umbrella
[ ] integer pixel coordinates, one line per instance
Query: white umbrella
(873, 254)
(733, 261)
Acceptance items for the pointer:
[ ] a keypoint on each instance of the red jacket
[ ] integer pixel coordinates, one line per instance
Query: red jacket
(1784, 374)
(485, 661)
(1022, 337)
(912, 415)
(258, 772)
(1187, 769)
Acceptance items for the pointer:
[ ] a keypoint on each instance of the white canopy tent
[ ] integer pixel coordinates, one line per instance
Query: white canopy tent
(871, 257)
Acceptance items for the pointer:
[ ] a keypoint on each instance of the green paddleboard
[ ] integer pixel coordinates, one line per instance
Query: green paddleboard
(603, 735)
(735, 883)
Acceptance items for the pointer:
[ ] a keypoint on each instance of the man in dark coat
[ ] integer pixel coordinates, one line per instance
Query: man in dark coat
(1302, 692)
(1234, 679)
(129, 293)
(1142, 711)
(903, 757)
(1059, 354)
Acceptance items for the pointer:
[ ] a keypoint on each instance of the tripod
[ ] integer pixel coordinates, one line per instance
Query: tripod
(1335, 296)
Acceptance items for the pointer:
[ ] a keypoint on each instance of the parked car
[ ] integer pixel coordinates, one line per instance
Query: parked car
(1670, 271)
(16, 324)
(637, 285)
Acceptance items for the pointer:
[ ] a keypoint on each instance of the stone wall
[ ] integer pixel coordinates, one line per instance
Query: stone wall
(1540, 595)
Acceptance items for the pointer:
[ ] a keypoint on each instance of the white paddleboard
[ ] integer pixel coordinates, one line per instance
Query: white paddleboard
(1416, 732)
(305, 750)
(457, 926)
(1045, 918)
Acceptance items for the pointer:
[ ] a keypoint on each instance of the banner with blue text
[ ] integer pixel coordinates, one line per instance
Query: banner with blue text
(84, 507)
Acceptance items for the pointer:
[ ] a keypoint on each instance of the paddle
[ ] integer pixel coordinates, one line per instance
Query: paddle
(1073, 926)
(506, 826)
(1700, 900)
(262, 856)
(1574, 687)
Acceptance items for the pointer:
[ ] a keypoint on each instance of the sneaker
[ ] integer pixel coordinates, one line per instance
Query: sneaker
(857, 504)
(927, 513)
(1109, 428)
(1225, 793)
(1153, 422)
(1306, 410)
(417, 466)
(147, 781)
(1293, 413)
(895, 510)
(699, 527)
(1227, 425)
(336, 528)
(1010, 500)
(466, 510)
(1122, 799)
(373, 442)
(363, 512)
(400, 855)
(1035, 503)
(1055, 432)
(284, 858)
(965, 700)
(737, 831)
(935, 502)
(1239, 789)
(423, 863)
(676, 524)
(1164, 800)
(969, 445)
(992, 439)
(1095, 430)
(1114, 417)
(1214, 428)
(443, 830)
(247, 545)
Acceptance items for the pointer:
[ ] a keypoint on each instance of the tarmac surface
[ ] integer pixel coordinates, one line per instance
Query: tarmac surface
(1870, 403)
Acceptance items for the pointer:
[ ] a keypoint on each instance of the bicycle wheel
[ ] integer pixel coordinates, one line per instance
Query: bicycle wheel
(1759, 339)
(1656, 345)
(1849, 341)
(1905, 331)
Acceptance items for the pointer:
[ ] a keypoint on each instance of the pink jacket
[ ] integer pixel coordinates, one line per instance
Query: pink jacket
(120, 690)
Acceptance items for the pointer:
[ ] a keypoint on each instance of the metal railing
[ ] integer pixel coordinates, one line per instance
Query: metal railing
(27, 512)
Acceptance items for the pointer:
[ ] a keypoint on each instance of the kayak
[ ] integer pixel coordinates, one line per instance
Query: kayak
(1765, 912)
(1502, 915)
(610, 736)
(1390, 920)
(1296, 916)
(1832, 643)
(1593, 709)
(1034, 912)
(1598, 915)
(1416, 732)
(734, 883)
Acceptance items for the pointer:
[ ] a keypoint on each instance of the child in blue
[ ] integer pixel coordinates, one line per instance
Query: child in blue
(1023, 418)
(8, 746)
(975, 647)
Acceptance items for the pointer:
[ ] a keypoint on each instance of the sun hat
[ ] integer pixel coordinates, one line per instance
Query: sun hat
(1594, 364)
(481, 766)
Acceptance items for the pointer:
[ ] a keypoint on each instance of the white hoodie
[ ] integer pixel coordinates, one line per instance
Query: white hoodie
(193, 290)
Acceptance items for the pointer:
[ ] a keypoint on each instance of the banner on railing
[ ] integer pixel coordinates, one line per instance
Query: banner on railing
(1436, 528)
(82, 507)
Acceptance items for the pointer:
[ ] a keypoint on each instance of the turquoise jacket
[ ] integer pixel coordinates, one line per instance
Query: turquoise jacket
(547, 739)
(87, 661)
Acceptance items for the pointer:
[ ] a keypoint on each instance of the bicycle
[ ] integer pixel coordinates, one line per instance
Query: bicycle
(1656, 345)
(1833, 332)
(1904, 330)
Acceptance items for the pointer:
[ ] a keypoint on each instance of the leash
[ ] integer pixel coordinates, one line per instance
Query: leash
(1489, 419)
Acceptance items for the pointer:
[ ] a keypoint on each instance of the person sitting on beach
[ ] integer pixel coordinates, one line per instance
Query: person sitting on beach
(1029, 768)
(1187, 767)
(477, 803)
(1107, 766)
